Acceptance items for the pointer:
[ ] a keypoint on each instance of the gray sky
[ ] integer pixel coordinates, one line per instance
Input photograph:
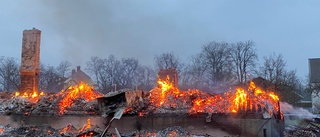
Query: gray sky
(76, 30)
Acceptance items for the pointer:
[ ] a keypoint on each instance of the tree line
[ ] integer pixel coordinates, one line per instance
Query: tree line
(217, 66)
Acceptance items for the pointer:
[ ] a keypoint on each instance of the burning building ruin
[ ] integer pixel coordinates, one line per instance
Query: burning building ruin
(239, 112)
(170, 75)
(29, 70)
(246, 110)
(165, 110)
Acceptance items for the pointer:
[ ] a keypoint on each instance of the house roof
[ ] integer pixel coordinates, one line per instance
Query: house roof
(79, 76)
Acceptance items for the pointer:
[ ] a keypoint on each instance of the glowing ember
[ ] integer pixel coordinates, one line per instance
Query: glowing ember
(69, 129)
(79, 91)
(85, 126)
(1, 130)
(198, 101)
(34, 97)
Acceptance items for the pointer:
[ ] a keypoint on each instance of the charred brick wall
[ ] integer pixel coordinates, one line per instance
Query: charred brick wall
(171, 73)
(29, 70)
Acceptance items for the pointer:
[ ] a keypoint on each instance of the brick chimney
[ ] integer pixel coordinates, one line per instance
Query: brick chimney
(173, 76)
(73, 71)
(78, 68)
(30, 56)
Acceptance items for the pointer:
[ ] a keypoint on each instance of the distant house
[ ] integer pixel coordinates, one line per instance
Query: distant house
(76, 77)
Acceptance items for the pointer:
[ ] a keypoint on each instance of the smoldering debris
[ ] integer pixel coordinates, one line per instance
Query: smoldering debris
(91, 131)
(167, 132)
(306, 128)
(48, 131)
(75, 100)
(47, 105)
(45, 130)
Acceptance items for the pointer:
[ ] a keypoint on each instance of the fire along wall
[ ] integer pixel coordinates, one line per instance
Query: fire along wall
(29, 70)
(169, 75)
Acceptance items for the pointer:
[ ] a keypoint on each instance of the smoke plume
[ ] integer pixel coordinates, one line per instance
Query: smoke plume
(286, 108)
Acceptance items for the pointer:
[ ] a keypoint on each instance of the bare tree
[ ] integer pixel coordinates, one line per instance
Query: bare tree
(244, 56)
(218, 61)
(105, 72)
(108, 76)
(284, 82)
(124, 73)
(273, 68)
(145, 78)
(63, 68)
(127, 73)
(168, 60)
(195, 74)
(94, 66)
(9, 74)
(49, 79)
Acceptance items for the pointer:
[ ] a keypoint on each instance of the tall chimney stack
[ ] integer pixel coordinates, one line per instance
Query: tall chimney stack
(169, 75)
(30, 56)
(73, 71)
(78, 68)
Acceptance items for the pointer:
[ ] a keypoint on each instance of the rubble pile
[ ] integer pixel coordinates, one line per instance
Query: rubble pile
(175, 131)
(298, 132)
(30, 131)
(16, 105)
(75, 100)
(82, 106)
(306, 128)
(170, 131)
(47, 105)
(168, 99)
(48, 131)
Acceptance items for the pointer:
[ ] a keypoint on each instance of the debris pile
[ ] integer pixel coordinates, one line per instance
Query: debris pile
(75, 100)
(46, 130)
(88, 130)
(167, 132)
(93, 131)
(168, 99)
(306, 128)
(30, 131)
(77, 97)
(175, 131)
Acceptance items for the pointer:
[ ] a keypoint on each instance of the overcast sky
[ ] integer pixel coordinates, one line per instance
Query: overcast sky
(76, 30)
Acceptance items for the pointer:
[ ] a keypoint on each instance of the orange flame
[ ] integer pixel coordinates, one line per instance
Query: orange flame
(87, 126)
(33, 97)
(165, 86)
(228, 102)
(78, 91)
(68, 129)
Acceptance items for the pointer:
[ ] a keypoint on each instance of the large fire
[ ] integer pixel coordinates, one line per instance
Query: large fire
(239, 100)
(79, 91)
(167, 98)
(65, 98)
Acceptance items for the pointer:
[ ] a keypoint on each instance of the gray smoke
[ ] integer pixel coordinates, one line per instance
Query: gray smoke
(138, 29)
(286, 108)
